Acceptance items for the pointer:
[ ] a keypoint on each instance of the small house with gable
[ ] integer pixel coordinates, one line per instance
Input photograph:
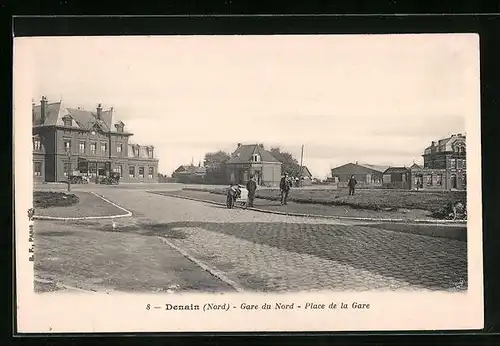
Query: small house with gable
(253, 160)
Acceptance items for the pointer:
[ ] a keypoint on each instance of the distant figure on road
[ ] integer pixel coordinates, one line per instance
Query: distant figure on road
(352, 185)
(285, 185)
(251, 187)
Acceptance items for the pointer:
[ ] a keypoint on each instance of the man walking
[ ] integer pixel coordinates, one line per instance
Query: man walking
(285, 188)
(352, 184)
(251, 187)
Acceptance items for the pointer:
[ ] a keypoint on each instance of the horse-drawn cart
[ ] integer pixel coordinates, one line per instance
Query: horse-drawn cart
(112, 179)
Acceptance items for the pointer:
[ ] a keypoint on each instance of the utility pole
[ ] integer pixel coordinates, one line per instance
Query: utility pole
(301, 165)
(109, 152)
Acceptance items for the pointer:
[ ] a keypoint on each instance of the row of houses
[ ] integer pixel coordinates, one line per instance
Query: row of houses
(246, 161)
(444, 168)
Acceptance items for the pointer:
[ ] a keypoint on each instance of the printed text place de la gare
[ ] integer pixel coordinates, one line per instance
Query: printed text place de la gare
(262, 306)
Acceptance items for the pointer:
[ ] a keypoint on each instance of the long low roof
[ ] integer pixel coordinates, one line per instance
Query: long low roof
(350, 168)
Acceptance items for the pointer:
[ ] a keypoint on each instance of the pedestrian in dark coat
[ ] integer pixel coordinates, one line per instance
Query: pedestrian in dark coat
(285, 185)
(251, 187)
(351, 184)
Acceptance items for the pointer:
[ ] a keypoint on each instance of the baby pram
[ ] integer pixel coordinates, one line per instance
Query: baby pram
(237, 195)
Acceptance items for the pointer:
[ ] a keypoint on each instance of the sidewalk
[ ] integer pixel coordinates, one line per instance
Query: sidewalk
(90, 256)
(313, 209)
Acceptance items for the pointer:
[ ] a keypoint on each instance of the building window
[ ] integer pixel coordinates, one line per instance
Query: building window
(37, 169)
(92, 168)
(149, 152)
(119, 169)
(141, 172)
(136, 151)
(151, 172)
(429, 180)
(36, 144)
(119, 148)
(67, 121)
(67, 145)
(81, 147)
(452, 163)
(439, 180)
(459, 164)
(131, 171)
(255, 158)
(93, 148)
(67, 168)
(104, 148)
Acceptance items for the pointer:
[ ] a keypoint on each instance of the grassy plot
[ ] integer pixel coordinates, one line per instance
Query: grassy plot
(437, 203)
(307, 208)
(57, 204)
(47, 199)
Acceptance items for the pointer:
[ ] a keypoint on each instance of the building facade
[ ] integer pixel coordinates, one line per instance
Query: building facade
(445, 165)
(307, 178)
(190, 174)
(253, 160)
(397, 178)
(365, 174)
(69, 141)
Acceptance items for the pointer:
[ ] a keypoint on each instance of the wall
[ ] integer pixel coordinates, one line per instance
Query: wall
(271, 174)
(39, 157)
(397, 181)
(360, 178)
(425, 173)
(136, 163)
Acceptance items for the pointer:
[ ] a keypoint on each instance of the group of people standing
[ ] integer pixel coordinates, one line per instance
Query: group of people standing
(286, 184)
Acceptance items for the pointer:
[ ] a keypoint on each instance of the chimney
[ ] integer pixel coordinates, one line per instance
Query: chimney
(33, 111)
(433, 143)
(99, 111)
(261, 146)
(239, 145)
(43, 109)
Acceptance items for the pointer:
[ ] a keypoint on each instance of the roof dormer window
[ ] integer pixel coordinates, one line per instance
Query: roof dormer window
(119, 126)
(67, 121)
(255, 158)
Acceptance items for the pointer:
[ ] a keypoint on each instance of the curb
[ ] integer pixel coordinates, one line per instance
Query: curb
(421, 221)
(63, 286)
(127, 213)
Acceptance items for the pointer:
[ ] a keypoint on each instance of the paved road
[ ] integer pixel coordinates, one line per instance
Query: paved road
(264, 252)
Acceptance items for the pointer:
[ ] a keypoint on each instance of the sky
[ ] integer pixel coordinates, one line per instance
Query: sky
(379, 99)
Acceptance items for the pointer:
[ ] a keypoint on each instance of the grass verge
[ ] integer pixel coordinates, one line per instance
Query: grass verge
(439, 204)
(47, 199)
(88, 205)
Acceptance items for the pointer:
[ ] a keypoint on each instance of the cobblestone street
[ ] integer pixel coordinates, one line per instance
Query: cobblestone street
(266, 252)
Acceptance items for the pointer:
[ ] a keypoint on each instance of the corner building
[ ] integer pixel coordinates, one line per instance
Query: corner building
(76, 141)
